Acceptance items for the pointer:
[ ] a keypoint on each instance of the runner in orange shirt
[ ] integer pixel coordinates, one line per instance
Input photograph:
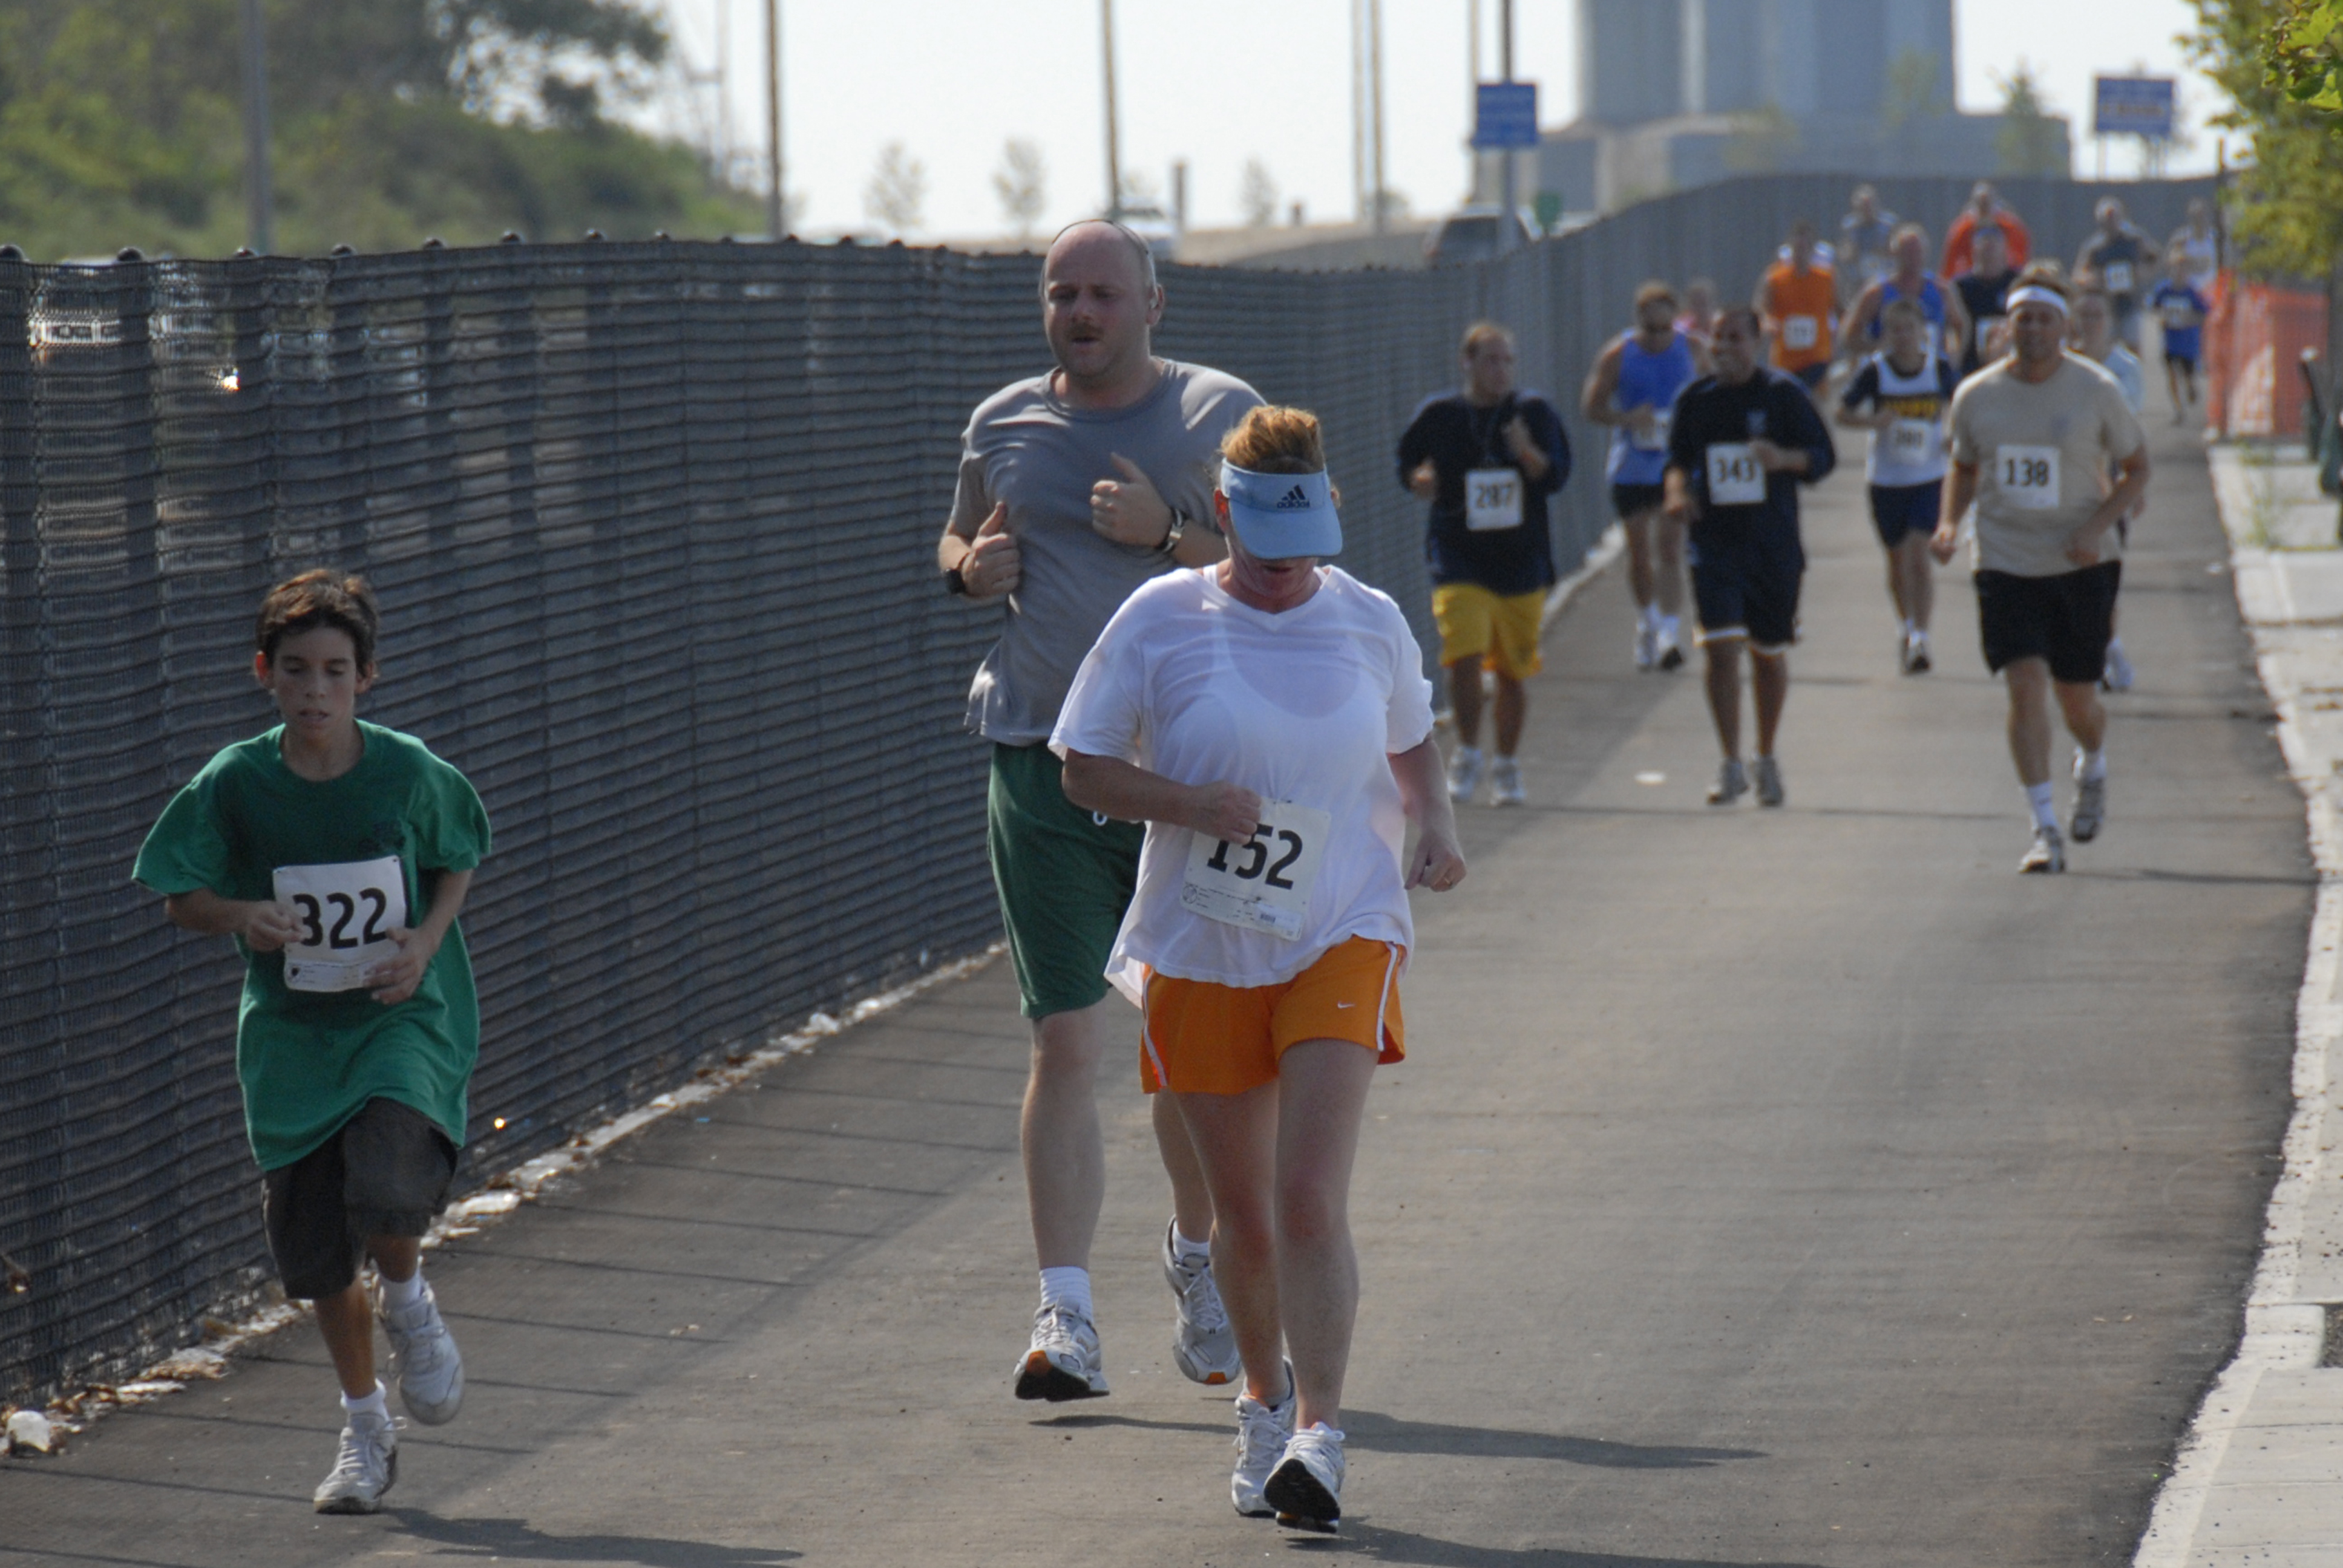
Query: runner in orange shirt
(1797, 298)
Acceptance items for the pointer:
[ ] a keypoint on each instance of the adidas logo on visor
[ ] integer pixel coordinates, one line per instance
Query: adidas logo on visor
(1296, 499)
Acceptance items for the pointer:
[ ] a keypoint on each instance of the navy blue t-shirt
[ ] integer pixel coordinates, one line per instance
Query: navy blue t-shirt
(1771, 405)
(1458, 438)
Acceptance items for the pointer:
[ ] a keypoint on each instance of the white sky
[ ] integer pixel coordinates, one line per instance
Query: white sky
(1219, 82)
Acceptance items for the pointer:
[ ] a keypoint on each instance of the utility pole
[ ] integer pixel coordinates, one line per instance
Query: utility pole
(1472, 99)
(1113, 148)
(1375, 71)
(259, 196)
(1505, 201)
(1359, 109)
(776, 208)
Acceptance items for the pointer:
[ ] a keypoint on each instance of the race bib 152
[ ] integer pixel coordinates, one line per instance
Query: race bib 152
(347, 912)
(1735, 478)
(2028, 477)
(1264, 883)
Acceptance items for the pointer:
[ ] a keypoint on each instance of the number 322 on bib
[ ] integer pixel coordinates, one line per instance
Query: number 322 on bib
(347, 912)
(1264, 883)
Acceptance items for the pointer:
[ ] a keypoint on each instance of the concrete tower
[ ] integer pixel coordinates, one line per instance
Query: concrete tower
(1630, 60)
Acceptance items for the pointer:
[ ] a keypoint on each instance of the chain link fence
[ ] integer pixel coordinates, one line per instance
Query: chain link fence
(653, 529)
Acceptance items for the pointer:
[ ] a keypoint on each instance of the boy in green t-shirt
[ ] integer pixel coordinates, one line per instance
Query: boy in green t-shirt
(317, 846)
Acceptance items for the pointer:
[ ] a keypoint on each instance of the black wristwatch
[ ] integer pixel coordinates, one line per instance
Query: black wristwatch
(954, 583)
(1173, 534)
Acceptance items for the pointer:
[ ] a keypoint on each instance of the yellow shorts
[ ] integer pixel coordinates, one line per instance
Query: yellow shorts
(1500, 629)
(1199, 1037)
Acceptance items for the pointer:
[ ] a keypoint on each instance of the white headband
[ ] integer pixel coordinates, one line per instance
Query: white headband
(2035, 293)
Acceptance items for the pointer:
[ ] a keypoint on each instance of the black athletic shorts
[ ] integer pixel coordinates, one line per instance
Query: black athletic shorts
(1898, 511)
(385, 1173)
(1748, 586)
(2064, 620)
(2187, 362)
(1634, 500)
(1812, 377)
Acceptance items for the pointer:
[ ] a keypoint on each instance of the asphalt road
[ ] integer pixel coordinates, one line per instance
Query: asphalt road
(1796, 1187)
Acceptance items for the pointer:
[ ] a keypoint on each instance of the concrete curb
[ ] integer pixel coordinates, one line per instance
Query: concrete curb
(1557, 598)
(2282, 1331)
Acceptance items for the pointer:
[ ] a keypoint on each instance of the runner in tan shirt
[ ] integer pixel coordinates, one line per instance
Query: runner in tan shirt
(2034, 437)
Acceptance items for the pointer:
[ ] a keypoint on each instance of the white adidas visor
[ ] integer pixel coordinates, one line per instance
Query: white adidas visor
(1281, 515)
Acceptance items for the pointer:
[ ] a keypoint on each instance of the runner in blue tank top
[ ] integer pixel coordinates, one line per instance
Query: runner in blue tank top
(1633, 388)
(1948, 318)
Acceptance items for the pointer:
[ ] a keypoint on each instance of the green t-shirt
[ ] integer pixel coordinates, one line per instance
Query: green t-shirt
(309, 1060)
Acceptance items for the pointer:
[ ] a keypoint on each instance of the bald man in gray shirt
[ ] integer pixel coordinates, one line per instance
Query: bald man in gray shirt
(1076, 487)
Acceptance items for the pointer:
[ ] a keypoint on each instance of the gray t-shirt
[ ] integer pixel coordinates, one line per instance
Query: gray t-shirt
(1030, 449)
(2041, 451)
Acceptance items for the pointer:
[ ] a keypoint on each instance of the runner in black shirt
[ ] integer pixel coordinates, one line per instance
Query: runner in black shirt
(1983, 291)
(1742, 443)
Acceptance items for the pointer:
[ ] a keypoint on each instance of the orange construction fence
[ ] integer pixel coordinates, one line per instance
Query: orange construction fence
(2254, 341)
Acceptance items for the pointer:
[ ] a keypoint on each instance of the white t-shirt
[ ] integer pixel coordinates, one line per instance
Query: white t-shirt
(1306, 707)
(2041, 451)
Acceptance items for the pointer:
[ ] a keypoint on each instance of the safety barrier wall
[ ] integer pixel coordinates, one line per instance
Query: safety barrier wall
(653, 529)
(2255, 342)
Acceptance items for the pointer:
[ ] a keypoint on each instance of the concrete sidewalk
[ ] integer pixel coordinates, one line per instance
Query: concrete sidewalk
(1762, 1187)
(2260, 1479)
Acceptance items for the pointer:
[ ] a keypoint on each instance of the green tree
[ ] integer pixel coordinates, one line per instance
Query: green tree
(1915, 95)
(2027, 141)
(391, 119)
(1763, 140)
(2279, 67)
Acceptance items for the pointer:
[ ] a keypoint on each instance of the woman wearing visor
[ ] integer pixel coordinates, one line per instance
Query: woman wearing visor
(1267, 718)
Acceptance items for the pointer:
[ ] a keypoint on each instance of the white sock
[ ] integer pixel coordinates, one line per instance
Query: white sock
(2094, 764)
(405, 1293)
(372, 1405)
(2041, 799)
(1468, 755)
(2114, 647)
(1908, 629)
(1067, 1288)
(1669, 625)
(1183, 1248)
(1650, 617)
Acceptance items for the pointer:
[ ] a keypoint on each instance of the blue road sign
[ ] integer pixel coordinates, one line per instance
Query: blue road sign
(2133, 106)
(1507, 116)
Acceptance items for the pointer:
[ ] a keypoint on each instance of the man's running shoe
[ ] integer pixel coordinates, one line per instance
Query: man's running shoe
(1064, 1361)
(1671, 644)
(1647, 646)
(1465, 774)
(1263, 1432)
(1203, 1345)
(1768, 774)
(1916, 654)
(1306, 1487)
(365, 1468)
(1505, 783)
(1732, 783)
(425, 1365)
(2118, 674)
(2090, 805)
(2048, 855)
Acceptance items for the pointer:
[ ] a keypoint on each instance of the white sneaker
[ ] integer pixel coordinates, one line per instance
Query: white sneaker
(1465, 774)
(2118, 674)
(1306, 1487)
(365, 1468)
(2090, 804)
(1505, 783)
(1063, 1361)
(425, 1365)
(1647, 645)
(2049, 854)
(1768, 775)
(1916, 654)
(1670, 643)
(1732, 782)
(1203, 1345)
(1263, 1432)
